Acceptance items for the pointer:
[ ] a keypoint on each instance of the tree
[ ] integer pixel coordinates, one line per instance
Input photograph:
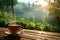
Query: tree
(54, 10)
(5, 4)
(4, 7)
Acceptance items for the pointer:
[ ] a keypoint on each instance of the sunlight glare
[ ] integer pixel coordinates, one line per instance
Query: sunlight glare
(52, 1)
(42, 3)
(39, 2)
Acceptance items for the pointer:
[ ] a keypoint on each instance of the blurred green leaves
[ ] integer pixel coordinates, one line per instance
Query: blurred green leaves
(45, 26)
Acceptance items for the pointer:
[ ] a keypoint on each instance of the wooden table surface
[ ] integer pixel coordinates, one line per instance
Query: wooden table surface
(34, 35)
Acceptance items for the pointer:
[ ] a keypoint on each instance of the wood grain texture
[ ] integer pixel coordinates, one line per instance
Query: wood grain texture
(34, 35)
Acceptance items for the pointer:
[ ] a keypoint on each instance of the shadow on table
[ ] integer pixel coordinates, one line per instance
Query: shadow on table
(11, 37)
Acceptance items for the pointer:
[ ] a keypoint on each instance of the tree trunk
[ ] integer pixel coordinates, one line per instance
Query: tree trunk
(12, 8)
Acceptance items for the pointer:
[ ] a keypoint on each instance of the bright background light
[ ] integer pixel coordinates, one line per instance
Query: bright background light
(52, 1)
(41, 2)
(25, 1)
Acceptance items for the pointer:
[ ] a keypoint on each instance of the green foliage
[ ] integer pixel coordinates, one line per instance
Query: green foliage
(4, 6)
(4, 20)
(54, 10)
(42, 27)
(7, 2)
(38, 26)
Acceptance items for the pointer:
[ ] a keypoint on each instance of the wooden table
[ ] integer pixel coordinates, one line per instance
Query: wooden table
(34, 35)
